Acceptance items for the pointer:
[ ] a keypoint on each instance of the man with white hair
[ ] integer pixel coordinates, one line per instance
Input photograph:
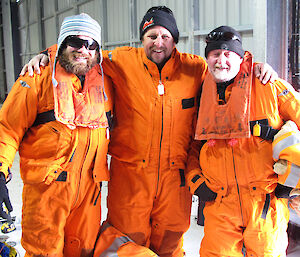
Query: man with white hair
(57, 121)
(230, 166)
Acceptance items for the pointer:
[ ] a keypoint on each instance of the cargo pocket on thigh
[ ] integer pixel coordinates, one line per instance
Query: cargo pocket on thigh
(185, 197)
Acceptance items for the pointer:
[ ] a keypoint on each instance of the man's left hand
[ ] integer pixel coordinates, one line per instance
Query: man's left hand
(265, 73)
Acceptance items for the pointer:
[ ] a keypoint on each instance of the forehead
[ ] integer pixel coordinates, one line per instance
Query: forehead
(158, 30)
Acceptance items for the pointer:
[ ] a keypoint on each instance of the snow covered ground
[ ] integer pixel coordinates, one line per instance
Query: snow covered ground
(192, 238)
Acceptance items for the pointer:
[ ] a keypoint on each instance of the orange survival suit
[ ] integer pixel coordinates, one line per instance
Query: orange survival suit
(246, 215)
(61, 168)
(148, 199)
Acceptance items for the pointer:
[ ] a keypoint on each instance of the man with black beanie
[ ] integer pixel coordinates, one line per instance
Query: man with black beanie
(238, 118)
(156, 90)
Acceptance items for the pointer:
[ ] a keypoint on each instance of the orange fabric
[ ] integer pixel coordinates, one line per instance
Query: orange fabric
(73, 108)
(152, 207)
(149, 145)
(63, 218)
(242, 174)
(225, 231)
(45, 151)
(138, 106)
(234, 115)
(112, 242)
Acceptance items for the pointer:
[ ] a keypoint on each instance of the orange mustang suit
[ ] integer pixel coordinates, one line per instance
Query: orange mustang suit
(61, 169)
(148, 199)
(241, 172)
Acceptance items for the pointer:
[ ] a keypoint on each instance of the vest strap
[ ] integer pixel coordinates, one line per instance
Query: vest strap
(44, 117)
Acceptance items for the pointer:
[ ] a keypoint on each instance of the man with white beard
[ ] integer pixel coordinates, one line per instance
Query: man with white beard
(230, 166)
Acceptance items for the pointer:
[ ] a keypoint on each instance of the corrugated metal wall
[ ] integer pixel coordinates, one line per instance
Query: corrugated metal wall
(120, 19)
(40, 20)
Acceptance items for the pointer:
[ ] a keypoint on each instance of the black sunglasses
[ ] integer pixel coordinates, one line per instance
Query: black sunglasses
(220, 35)
(77, 43)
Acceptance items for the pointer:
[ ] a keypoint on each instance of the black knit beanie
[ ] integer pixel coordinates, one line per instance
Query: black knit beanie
(226, 38)
(160, 16)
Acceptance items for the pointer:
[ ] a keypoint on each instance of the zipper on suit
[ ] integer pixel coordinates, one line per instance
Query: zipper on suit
(82, 164)
(237, 186)
(161, 92)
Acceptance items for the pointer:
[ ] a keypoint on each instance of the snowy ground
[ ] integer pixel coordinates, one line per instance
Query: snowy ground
(192, 238)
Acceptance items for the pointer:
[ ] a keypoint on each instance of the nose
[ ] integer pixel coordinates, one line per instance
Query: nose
(221, 59)
(158, 41)
(83, 49)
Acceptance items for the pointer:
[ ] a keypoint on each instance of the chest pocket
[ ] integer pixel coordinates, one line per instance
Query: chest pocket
(188, 103)
(183, 114)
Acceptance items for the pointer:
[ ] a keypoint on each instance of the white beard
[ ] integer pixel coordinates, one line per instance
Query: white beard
(223, 75)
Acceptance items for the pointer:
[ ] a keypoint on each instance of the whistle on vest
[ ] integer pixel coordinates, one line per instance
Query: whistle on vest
(256, 130)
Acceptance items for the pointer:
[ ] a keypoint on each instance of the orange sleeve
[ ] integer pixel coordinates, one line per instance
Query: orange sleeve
(288, 101)
(109, 92)
(16, 116)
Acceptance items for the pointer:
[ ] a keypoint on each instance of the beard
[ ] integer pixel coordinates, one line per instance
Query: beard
(68, 61)
(221, 75)
(225, 74)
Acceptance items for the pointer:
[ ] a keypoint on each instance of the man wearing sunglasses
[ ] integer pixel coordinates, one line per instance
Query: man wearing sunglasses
(230, 165)
(57, 121)
(156, 90)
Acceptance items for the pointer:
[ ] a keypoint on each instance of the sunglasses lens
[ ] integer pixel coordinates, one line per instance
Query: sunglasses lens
(92, 45)
(77, 43)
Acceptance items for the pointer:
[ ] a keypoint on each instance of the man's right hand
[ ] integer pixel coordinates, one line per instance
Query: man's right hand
(4, 198)
(34, 65)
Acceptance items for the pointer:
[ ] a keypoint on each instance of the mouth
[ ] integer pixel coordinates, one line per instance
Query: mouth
(80, 59)
(158, 51)
(221, 68)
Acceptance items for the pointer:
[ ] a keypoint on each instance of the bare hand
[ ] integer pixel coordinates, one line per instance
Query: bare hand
(295, 204)
(265, 73)
(34, 65)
